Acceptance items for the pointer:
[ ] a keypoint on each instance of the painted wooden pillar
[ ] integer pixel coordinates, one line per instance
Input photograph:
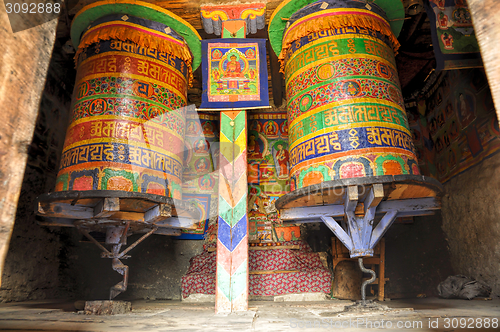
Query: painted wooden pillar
(487, 28)
(232, 235)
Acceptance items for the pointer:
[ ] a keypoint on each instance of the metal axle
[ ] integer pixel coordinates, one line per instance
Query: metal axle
(366, 282)
(117, 236)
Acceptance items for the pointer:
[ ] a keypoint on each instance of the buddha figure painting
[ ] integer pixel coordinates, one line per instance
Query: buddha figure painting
(233, 72)
(234, 76)
(281, 158)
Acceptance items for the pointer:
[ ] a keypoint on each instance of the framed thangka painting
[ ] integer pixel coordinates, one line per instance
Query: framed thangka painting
(234, 74)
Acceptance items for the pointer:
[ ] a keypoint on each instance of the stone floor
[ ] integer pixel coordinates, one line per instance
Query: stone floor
(427, 314)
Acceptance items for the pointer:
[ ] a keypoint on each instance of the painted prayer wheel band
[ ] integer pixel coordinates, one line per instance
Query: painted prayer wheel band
(393, 11)
(345, 106)
(127, 128)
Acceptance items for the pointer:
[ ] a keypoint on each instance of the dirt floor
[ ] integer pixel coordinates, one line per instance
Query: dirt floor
(428, 314)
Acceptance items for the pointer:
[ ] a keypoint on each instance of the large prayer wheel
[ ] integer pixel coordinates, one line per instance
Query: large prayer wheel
(127, 128)
(122, 162)
(351, 150)
(345, 107)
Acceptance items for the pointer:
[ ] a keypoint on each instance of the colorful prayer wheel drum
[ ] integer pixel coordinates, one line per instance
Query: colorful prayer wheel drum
(127, 128)
(345, 107)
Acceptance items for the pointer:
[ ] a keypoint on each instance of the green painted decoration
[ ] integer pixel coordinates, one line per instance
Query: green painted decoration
(345, 108)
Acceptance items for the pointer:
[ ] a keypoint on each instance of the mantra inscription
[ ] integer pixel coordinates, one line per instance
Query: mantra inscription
(128, 124)
(345, 108)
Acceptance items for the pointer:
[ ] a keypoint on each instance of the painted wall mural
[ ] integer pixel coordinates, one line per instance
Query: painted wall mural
(345, 106)
(127, 129)
(454, 124)
(453, 37)
(268, 176)
(201, 158)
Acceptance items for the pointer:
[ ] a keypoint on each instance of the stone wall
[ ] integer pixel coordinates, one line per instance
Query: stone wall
(417, 257)
(156, 267)
(32, 264)
(457, 137)
(24, 60)
(471, 220)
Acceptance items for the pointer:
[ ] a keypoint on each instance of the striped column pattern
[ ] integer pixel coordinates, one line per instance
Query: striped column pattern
(232, 235)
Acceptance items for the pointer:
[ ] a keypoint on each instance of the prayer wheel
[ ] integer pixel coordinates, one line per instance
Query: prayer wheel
(127, 128)
(121, 168)
(345, 107)
(351, 149)
(352, 161)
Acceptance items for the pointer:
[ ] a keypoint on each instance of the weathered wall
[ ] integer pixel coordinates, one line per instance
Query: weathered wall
(417, 257)
(32, 264)
(471, 220)
(487, 27)
(457, 137)
(24, 60)
(156, 268)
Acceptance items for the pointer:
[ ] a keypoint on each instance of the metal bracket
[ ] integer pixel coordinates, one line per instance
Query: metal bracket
(358, 234)
(116, 255)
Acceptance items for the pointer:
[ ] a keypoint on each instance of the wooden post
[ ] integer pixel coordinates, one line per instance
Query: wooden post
(232, 235)
(381, 271)
(24, 61)
(276, 77)
(487, 28)
(231, 292)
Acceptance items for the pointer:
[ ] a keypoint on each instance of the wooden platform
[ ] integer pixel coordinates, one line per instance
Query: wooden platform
(98, 209)
(360, 210)
(397, 187)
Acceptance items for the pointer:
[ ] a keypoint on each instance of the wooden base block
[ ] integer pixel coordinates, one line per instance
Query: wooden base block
(107, 307)
(347, 281)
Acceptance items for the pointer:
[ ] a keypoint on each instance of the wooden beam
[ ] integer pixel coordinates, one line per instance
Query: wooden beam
(167, 231)
(351, 198)
(158, 213)
(382, 227)
(375, 196)
(338, 231)
(487, 30)
(57, 222)
(25, 59)
(381, 272)
(406, 207)
(175, 222)
(276, 76)
(65, 210)
(106, 206)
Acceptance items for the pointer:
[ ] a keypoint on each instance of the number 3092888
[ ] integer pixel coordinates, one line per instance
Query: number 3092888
(33, 8)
